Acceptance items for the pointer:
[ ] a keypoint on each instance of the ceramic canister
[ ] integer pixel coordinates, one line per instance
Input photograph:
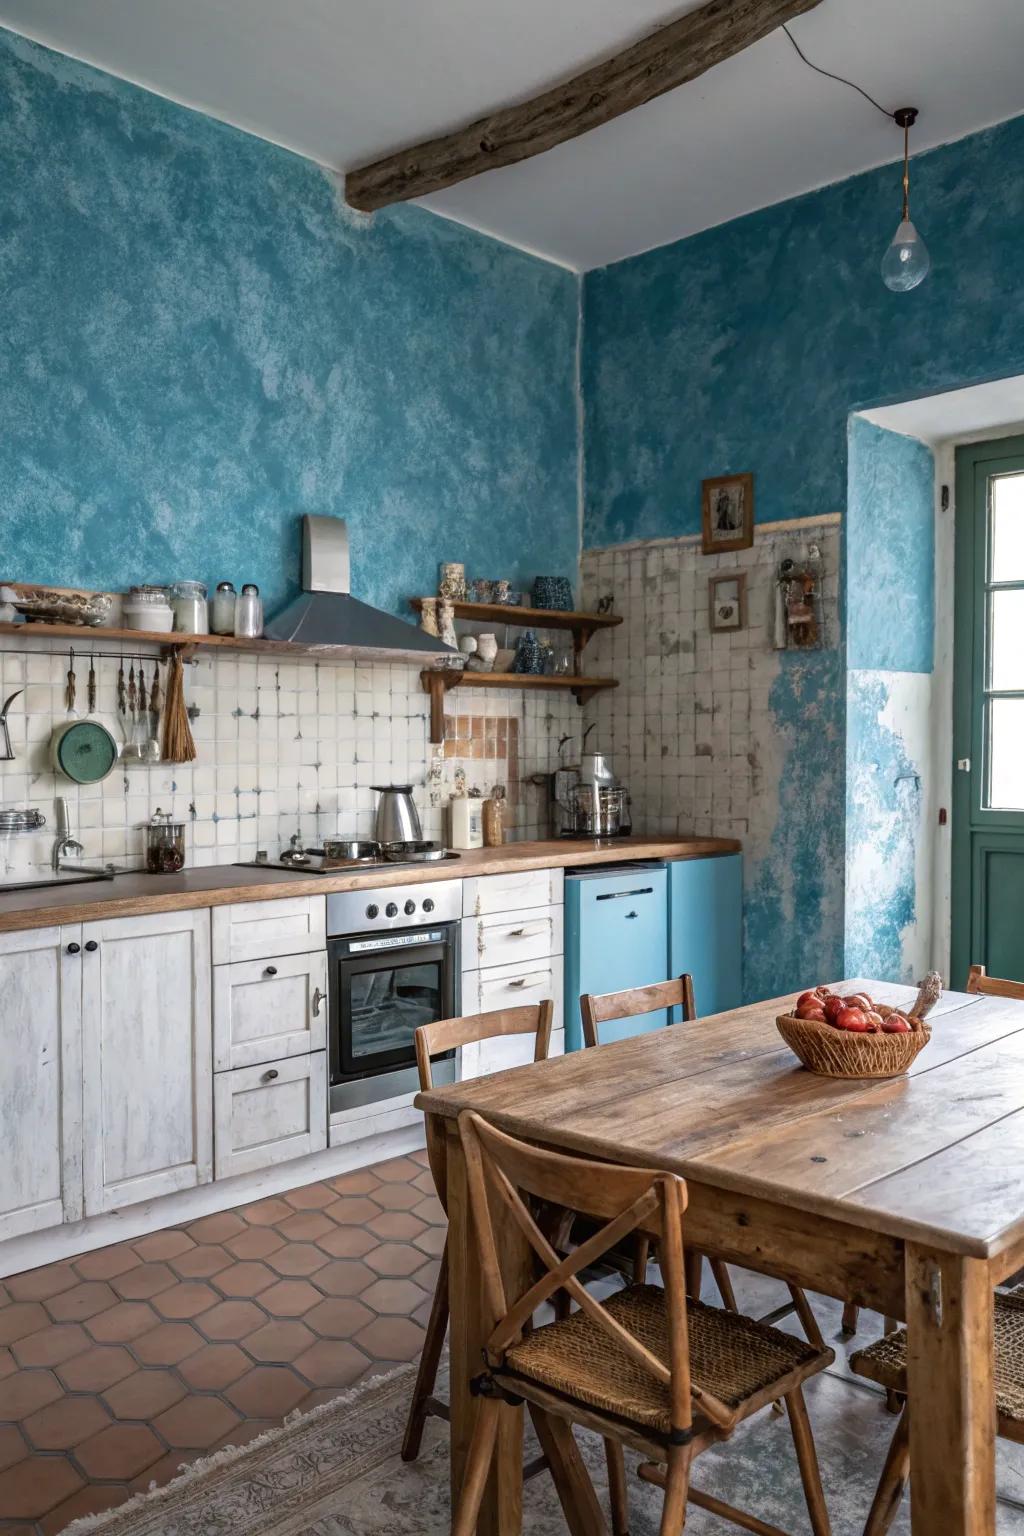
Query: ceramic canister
(452, 584)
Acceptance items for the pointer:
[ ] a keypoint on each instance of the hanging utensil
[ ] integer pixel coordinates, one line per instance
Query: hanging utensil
(70, 687)
(122, 694)
(7, 752)
(91, 691)
(151, 747)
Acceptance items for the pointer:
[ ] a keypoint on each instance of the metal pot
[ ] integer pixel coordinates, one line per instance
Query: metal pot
(596, 769)
(397, 819)
(348, 848)
(84, 751)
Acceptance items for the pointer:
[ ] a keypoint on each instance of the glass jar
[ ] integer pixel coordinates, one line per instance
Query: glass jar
(188, 599)
(222, 609)
(494, 818)
(249, 613)
(165, 844)
(148, 608)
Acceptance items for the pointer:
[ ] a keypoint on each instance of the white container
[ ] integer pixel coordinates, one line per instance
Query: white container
(467, 822)
(222, 609)
(249, 613)
(147, 608)
(188, 599)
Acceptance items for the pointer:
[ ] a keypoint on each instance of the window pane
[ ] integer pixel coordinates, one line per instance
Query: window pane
(1006, 630)
(1006, 723)
(1008, 528)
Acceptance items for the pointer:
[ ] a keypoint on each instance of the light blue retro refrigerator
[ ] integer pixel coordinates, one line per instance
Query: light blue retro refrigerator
(641, 923)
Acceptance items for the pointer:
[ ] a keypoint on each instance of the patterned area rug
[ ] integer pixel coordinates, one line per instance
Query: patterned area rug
(337, 1472)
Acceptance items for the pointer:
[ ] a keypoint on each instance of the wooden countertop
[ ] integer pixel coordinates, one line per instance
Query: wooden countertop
(136, 894)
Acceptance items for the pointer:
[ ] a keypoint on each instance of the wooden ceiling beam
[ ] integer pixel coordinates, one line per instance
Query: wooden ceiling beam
(658, 63)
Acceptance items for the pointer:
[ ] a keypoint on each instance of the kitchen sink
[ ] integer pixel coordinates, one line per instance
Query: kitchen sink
(61, 877)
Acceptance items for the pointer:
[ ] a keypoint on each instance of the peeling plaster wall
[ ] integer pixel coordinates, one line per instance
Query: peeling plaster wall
(199, 342)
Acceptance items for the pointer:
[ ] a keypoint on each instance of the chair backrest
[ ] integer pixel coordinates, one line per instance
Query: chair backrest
(502, 1170)
(598, 1009)
(992, 986)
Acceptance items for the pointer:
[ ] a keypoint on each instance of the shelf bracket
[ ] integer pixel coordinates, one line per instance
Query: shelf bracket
(437, 685)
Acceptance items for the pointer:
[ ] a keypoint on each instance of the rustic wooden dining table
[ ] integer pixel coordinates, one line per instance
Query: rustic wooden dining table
(906, 1196)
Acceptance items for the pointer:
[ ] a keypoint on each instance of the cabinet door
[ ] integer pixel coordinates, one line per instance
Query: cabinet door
(267, 1010)
(147, 1057)
(40, 1080)
(616, 937)
(706, 929)
(267, 1115)
(510, 986)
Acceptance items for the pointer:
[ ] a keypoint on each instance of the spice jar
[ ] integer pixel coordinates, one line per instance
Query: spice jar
(165, 844)
(494, 818)
(188, 599)
(222, 609)
(147, 608)
(249, 613)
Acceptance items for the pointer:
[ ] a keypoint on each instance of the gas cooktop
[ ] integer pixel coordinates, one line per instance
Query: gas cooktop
(320, 861)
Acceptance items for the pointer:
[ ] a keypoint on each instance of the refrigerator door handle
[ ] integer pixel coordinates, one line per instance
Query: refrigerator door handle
(642, 890)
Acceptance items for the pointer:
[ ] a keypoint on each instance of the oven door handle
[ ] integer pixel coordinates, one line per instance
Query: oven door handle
(318, 998)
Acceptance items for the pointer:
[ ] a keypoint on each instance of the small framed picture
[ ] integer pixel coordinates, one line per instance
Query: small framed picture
(728, 513)
(727, 602)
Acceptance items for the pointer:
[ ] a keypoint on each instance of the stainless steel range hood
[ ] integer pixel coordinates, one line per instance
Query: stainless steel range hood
(327, 614)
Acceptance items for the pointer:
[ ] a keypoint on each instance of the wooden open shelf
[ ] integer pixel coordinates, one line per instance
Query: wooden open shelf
(582, 625)
(85, 635)
(440, 680)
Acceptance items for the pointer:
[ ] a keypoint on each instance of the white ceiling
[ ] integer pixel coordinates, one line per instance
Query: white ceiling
(958, 413)
(344, 81)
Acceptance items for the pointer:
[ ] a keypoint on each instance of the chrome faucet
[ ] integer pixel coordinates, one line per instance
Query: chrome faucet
(64, 842)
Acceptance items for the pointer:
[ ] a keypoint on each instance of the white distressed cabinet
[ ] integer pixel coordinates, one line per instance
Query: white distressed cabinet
(40, 1079)
(268, 1010)
(269, 1114)
(147, 1066)
(255, 930)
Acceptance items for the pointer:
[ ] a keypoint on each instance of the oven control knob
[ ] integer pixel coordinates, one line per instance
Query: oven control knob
(390, 910)
(428, 905)
(373, 910)
(410, 908)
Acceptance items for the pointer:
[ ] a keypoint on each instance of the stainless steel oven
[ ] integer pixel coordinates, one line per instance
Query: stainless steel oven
(393, 964)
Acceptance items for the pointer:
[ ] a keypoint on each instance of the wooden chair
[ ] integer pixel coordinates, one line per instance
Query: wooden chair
(434, 1040)
(885, 1363)
(978, 980)
(647, 1368)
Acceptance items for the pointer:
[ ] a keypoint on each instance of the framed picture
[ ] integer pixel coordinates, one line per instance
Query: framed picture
(727, 602)
(728, 513)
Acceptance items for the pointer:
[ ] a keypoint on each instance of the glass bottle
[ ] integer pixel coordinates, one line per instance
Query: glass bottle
(222, 609)
(249, 613)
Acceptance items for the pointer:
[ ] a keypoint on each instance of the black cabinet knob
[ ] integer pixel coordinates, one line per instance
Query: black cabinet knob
(74, 949)
(390, 910)
(270, 970)
(373, 910)
(410, 908)
(268, 1077)
(92, 947)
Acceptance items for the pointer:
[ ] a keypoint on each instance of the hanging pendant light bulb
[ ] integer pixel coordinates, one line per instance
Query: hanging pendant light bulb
(906, 261)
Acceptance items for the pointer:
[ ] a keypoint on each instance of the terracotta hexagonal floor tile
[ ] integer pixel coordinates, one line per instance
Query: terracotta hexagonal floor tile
(122, 1323)
(65, 1423)
(119, 1451)
(106, 1263)
(267, 1392)
(94, 1499)
(432, 1241)
(188, 1298)
(398, 1297)
(428, 1276)
(352, 1210)
(347, 1242)
(216, 1228)
(398, 1170)
(161, 1472)
(7, 1363)
(394, 1259)
(25, 1391)
(279, 1341)
(332, 1363)
(345, 1277)
(397, 1226)
(255, 1243)
(360, 1182)
(339, 1317)
(213, 1367)
(83, 1301)
(20, 1318)
(397, 1197)
(391, 1338)
(311, 1197)
(200, 1263)
(34, 1485)
(425, 1182)
(247, 1278)
(265, 1212)
(431, 1211)
(96, 1369)
(231, 1320)
(297, 1259)
(306, 1226)
(12, 1446)
(163, 1245)
(289, 1298)
(41, 1284)
(144, 1394)
(144, 1281)
(167, 1343)
(52, 1345)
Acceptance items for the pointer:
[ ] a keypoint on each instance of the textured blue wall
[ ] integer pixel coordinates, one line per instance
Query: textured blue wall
(199, 342)
(890, 551)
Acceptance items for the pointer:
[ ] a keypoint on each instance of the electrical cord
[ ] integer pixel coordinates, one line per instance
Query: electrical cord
(841, 78)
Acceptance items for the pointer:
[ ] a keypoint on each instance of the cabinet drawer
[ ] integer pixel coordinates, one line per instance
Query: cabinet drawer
(512, 938)
(267, 1115)
(267, 1010)
(511, 986)
(256, 930)
(487, 1056)
(511, 893)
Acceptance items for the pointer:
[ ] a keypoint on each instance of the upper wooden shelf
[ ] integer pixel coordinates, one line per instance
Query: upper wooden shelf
(530, 618)
(285, 650)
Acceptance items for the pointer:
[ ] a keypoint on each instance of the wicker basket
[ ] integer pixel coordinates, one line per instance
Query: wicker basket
(832, 1052)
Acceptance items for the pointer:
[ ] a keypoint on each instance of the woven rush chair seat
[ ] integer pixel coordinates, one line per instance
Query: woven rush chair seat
(731, 1356)
(885, 1361)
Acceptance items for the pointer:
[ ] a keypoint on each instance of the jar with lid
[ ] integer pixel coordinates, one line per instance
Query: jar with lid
(249, 613)
(222, 609)
(147, 608)
(165, 844)
(494, 818)
(188, 599)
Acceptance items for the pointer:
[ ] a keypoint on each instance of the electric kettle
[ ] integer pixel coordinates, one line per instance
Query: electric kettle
(397, 818)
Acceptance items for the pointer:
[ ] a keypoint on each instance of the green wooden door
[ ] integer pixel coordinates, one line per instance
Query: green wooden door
(988, 724)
